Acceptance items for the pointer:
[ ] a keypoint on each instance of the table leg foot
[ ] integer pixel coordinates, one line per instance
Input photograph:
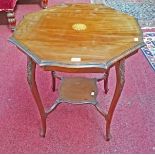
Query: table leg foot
(42, 133)
(108, 135)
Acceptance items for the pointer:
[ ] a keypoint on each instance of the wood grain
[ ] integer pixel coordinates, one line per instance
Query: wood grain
(49, 35)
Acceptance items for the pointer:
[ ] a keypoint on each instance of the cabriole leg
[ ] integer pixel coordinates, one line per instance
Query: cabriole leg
(120, 80)
(31, 67)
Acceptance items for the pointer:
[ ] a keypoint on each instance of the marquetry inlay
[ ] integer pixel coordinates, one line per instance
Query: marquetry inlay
(79, 27)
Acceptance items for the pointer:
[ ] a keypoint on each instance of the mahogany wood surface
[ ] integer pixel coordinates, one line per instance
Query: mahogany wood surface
(72, 35)
(75, 90)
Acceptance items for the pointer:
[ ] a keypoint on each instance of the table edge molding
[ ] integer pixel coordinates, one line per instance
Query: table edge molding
(104, 65)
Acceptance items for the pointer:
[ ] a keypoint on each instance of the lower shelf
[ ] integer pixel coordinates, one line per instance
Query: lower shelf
(78, 90)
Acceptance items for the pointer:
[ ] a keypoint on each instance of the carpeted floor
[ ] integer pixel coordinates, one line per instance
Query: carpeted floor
(73, 129)
(143, 10)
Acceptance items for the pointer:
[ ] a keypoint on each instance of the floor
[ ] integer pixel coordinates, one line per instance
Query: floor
(142, 10)
(73, 129)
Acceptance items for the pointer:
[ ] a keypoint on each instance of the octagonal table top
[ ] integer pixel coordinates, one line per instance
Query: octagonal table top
(78, 35)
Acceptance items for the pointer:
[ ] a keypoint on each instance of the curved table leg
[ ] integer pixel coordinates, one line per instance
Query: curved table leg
(106, 82)
(31, 66)
(120, 79)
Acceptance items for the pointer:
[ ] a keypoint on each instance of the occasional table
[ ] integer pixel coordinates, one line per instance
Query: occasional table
(78, 38)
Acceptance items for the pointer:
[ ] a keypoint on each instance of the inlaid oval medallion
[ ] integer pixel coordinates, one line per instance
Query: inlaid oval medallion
(79, 27)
